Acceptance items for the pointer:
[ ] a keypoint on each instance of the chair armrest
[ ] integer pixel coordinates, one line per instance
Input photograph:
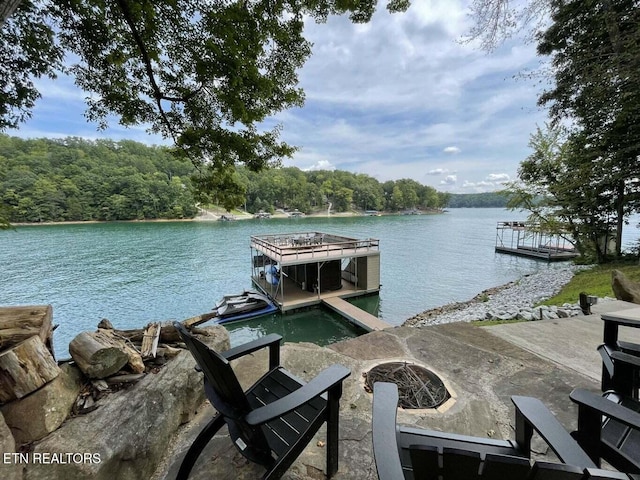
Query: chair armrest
(385, 441)
(605, 354)
(602, 406)
(626, 358)
(325, 380)
(272, 341)
(531, 414)
(625, 322)
(628, 347)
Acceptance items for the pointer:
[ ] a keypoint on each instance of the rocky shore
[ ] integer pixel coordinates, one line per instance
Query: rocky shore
(515, 300)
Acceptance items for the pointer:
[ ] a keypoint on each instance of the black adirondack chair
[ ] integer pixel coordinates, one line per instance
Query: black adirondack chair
(420, 454)
(274, 420)
(609, 428)
(620, 370)
(620, 359)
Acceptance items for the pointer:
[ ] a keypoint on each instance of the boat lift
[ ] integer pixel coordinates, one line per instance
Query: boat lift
(529, 240)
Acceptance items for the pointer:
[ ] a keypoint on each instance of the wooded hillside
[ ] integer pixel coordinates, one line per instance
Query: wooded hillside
(73, 179)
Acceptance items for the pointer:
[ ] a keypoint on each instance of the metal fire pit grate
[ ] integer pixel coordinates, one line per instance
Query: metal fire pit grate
(417, 386)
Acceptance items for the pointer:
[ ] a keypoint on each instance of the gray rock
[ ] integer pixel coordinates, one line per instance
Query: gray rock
(128, 435)
(43, 411)
(10, 468)
(624, 288)
(514, 297)
(524, 315)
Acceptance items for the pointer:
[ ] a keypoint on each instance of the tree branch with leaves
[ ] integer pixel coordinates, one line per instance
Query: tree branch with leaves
(205, 74)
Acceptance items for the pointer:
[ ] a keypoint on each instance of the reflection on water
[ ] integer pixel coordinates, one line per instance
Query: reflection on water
(315, 325)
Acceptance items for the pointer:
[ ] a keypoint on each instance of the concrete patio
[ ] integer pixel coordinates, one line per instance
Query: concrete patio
(483, 366)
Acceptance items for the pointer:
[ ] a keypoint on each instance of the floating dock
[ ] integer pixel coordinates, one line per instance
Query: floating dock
(298, 270)
(525, 240)
(355, 315)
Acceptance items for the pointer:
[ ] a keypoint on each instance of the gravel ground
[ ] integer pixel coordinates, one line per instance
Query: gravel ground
(505, 300)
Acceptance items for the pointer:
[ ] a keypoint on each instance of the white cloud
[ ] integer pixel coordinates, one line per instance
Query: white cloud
(449, 180)
(467, 184)
(437, 171)
(498, 177)
(321, 165)
(452, 150)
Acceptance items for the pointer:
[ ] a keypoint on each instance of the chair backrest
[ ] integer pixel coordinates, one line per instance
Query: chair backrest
(226, 395)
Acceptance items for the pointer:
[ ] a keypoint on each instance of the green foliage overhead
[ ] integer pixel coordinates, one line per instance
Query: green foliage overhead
(204, 74)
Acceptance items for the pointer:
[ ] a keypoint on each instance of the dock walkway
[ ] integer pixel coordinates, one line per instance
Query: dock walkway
(356, 315)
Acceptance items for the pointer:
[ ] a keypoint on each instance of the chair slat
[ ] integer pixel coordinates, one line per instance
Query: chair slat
(598, 474)
(501, 467)
(278, 445)
(556, 471)
(631, 444)
(458, 464)
(424, 462)
(271, 388)
(279, 383)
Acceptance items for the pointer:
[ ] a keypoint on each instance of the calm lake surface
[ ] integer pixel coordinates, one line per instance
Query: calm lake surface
(134, 273)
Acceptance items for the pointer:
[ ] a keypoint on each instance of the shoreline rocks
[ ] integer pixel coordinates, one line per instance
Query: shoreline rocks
(514, 300)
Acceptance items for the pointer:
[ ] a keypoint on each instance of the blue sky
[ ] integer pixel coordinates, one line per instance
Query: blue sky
(399, 97)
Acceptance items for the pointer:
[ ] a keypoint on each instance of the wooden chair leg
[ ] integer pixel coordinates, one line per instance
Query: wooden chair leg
(201, 441)
(333, 407)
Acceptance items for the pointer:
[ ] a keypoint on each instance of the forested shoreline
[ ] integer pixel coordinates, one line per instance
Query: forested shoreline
(74, 179)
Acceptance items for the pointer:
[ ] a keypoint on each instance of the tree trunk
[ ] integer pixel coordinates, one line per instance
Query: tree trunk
(620, 202)
(7, 7)
(24, 368)
(101, 354)
(19, 323)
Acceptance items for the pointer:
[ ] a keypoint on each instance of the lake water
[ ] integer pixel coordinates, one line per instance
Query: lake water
(134, 273)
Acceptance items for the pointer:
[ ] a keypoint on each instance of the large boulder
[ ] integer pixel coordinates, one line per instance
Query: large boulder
(128, 435)
(10, 463)
(624, 288)
(43, 411)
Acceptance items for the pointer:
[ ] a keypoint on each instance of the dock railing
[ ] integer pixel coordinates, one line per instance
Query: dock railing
(311, 245)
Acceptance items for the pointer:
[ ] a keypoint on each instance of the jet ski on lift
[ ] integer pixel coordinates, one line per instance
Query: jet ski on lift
(248, 304)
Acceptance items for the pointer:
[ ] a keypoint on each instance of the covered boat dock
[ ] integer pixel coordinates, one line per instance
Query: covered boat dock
(298, 270)
(526, 240)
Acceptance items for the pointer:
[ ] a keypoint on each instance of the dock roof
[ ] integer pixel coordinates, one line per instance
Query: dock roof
(304, 247)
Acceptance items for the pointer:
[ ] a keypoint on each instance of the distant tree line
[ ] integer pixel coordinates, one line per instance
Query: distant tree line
(478, 200)
(73, 179)
(292, 188)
